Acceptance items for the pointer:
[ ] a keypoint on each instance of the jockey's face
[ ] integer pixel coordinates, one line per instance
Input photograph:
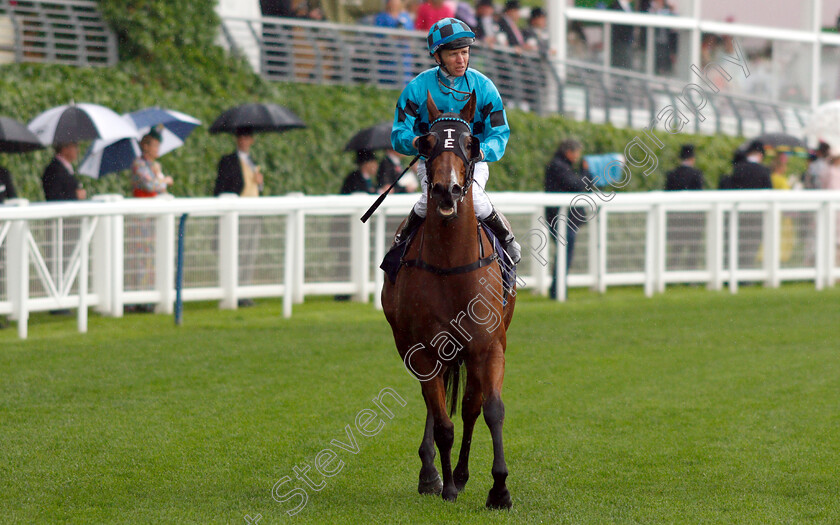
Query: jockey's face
(455, 60)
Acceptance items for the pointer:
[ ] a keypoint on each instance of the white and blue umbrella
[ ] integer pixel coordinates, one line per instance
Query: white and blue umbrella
(78, 122)
(109, 156)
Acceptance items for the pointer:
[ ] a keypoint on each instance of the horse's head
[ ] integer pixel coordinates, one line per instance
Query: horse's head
(451, 152)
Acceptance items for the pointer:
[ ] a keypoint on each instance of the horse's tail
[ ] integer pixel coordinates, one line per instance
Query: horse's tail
(453, 381)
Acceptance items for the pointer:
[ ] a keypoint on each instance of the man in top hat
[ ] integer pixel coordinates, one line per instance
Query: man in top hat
(685, 176)
(750, 174)
(59, 180)
(536, 34)
(237, 173)
(487, 25)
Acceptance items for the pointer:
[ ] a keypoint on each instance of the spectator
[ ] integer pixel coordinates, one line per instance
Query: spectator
(487, 26)
(779, 177)
(465, 12)
(683, 246)
(686, 176)
(361, 180)
(147, 177)
(237, 173)
(622, 38)
(817, 168)
(510, 34)
(277, 8)
(389, 169)
(59, 181)
(831, 178)
(394, 16)
(536, 34)
(7, 188)
(561, 177)
(430, 12)
(750, 174)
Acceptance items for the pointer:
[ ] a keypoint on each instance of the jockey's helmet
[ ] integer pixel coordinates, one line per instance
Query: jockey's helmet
(449, 33)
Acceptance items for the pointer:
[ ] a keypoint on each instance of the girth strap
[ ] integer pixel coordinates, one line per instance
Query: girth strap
(423, 265)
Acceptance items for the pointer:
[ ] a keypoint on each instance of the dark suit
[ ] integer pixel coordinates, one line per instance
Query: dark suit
(483, 30)
(59, 184)
(506, 26)
(7, 189)
(750, 176)
(356, 182)
(229, 175)
(387, 173)
(561, 177)
(684, 178)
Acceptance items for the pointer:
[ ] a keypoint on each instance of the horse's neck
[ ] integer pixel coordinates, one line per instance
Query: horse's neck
(453, 243)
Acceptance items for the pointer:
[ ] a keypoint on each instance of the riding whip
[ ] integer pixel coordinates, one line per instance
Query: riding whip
(381, 198)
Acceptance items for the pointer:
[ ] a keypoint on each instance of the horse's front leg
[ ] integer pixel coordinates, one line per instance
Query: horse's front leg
(470, 410)
(494, 416)
(430, 482)
(443, 430)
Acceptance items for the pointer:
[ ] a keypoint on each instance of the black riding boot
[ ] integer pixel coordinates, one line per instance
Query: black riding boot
(500, 229)
(412, 223)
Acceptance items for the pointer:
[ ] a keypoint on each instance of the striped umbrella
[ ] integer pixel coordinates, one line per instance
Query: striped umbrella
(78, 122)
(109, 156)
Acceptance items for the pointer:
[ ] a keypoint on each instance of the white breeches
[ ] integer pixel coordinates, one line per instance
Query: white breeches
(483, 206)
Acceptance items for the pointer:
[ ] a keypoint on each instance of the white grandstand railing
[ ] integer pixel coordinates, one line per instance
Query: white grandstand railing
(295, 245)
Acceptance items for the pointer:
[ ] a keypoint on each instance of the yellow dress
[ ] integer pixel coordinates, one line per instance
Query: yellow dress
(788, 239)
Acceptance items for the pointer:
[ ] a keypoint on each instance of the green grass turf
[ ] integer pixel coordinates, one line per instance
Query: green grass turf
(690, 407)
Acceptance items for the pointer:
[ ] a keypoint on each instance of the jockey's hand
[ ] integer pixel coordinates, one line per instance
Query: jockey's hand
(414, 142)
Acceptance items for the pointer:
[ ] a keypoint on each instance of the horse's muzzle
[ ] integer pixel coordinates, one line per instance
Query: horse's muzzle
(447, 199)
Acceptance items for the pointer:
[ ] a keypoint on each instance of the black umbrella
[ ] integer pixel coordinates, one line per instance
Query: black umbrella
(15, 137)
(374, 137)
(778, 142)
(258, 118)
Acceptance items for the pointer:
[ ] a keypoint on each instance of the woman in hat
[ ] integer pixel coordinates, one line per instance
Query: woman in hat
(147, 178)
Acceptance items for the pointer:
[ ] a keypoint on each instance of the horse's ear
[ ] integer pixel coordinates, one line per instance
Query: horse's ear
(468, 111)
(434, 112)
(425, 144)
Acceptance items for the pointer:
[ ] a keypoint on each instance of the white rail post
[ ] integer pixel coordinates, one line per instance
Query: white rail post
(102, 270)
(117, 256)
(379, 253)
(300, 255)
(165, 260)
(831, 244)
(592, 251)
(84, 267)
(17, 264)
(289, 263)
(229, 256)
(661, 247)
(772, 236)
(714, 247)
(733, 249)
(602, 249)
(651, 257)
(820, 248)
(360, 257)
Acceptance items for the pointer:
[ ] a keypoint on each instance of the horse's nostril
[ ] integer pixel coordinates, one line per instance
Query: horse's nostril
(457, 190)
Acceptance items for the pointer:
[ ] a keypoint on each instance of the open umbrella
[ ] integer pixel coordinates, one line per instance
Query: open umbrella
(108, 156)
(372, 138)
(78, 122)
(779, 142)
(258, 117)
(824, 124)
(15, 137)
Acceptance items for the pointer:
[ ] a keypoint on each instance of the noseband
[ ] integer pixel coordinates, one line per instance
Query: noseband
(454, 135)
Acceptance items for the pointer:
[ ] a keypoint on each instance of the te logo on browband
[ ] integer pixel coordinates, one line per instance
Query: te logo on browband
(449, 142)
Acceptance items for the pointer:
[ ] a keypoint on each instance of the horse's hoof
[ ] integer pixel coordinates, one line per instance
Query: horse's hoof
(450, 493)
(431, 486)
(499, 499)
(460, 477)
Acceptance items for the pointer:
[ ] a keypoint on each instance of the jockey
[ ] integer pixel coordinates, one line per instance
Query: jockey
(451, 84)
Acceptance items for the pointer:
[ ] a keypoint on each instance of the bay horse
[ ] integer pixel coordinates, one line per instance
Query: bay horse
(449, 311)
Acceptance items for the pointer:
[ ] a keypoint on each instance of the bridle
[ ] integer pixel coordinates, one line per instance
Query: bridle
(454, 135)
